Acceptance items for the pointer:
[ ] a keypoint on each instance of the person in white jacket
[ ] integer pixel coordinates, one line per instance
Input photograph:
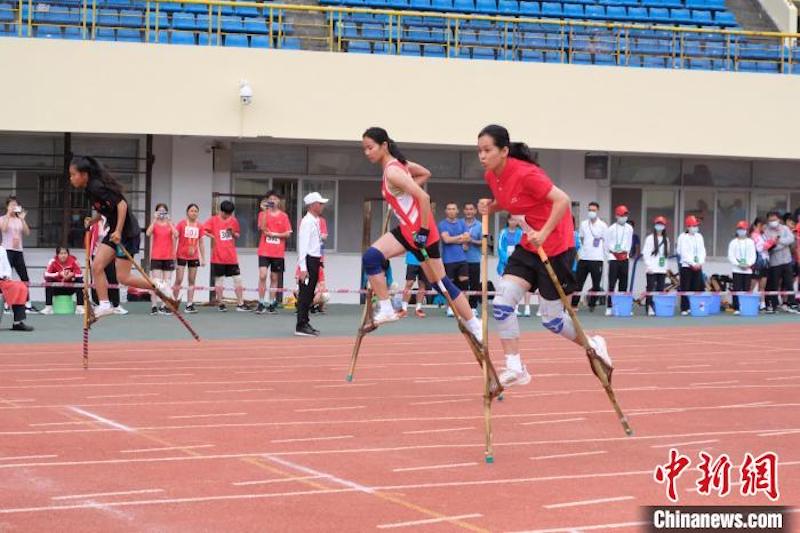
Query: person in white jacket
(692, 251)
(618, 243)
(742, 257)
(592, 253)
(655, 253)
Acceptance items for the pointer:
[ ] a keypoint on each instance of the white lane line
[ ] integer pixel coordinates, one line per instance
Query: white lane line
(159, 375)
(779, 433)
(443, 380)
(714, 383)
(429, 521)
(210, 415)
(236, 390)
(676, 444)
(587, 502)
(20, 457)
(98, 418)
(168, 448)
(138, 395)
(48, 424)
(551, 421)
(433, 467)
(96, 494)
(436, 402)
(426, 431)
(304, 469)
(782, 378)
(47, 379)
(312, 439)
(560, 455)
(279, 480)
(322, 409)
(593, 527)
(687, 366)
(20, 400)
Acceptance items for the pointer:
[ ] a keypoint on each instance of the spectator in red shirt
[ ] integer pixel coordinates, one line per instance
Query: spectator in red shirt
(275, 228)
(522, 188)
(223, 230)
(162, 253)
(63, 268)
(191, 254)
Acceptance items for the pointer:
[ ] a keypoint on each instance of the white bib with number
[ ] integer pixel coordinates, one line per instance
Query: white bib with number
(191, 232)
(272, 240)
(225, 235)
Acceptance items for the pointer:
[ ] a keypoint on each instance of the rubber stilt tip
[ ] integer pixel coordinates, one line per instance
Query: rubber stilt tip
(489, 459)
(349, 378)
(629, 432)
(500, 398)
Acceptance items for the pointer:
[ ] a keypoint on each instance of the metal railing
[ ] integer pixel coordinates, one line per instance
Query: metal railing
(342, 29)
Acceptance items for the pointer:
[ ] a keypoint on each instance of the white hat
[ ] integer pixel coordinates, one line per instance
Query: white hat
(314, 197)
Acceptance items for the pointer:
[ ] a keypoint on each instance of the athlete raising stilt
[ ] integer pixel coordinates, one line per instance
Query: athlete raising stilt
(402, 180)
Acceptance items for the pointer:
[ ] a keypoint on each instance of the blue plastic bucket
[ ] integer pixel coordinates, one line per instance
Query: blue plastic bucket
(700, 304)
(748, 305)
(665, 304)
(622, 304)
(716, 304)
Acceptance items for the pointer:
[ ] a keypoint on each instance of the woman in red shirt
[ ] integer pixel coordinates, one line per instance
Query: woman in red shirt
(523, 189)
(190, 253)
(417, 232)
(63, 268)
(162, 252)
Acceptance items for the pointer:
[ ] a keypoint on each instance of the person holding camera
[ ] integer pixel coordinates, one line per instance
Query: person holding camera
(162, 253)
(13, 228)
(275, 228)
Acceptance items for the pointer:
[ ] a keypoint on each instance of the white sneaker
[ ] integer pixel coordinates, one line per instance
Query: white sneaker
(736, 313)
(684, 313)
(527, 310)
(609, 312)
(48, 310)
(601, 349)
(120, 310)
(79, 310)
(382, 318)
(510, 377)
(650, 312)
(103, 310)
(450, 312)
(539, 313)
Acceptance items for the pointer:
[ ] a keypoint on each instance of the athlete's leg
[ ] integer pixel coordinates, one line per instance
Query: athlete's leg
(176, 287)
(262, 284)
(190, 289)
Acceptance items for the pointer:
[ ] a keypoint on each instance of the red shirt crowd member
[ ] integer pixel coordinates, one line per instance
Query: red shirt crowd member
(15, 293)
(223, 230)
(521, 188)
(162, 252)
(417, 232)
(275, 228)
(190, 254)
(63, 268)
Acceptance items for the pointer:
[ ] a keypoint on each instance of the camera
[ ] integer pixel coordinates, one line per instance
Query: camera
(162, 214)
(270, 204)
(245, 93)
(18, 209)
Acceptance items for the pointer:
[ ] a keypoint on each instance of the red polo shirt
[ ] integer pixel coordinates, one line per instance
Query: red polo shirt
(522, 189)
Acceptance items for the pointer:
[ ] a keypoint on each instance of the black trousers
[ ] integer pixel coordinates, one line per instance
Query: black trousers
(741, 283)
(113, 294)
(655, 283)
(585, 269)
(617, 277)
(49, 292)
(306, 294)
(474, 283)
(780, 278)
(17, 261)
(691, 280)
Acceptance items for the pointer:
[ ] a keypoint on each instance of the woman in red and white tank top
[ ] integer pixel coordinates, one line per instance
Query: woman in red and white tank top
(190, 253)
(416, 232)
(162, 252)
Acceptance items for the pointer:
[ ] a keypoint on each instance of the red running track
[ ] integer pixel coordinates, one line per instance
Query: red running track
(267, 436)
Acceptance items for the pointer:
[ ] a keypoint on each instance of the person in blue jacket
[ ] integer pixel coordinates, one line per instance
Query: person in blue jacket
(508, 240)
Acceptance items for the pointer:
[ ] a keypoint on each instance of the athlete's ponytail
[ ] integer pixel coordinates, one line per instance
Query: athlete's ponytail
(380, 136)
(96, 171)
(501, 139)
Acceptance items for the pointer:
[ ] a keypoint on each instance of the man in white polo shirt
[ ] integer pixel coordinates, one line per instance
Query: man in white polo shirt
(592, 253)
(309, 253)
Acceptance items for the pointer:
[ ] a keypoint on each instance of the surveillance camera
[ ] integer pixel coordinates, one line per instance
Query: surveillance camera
(245, 93)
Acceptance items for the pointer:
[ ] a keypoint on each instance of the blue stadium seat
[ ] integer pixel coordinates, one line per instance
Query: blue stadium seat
(73, 32)
(487, 7)
(534, 40)
(508, 7)
(195, 8)
(256, 25)
(595, 12)
(442, 5)
(118, 4)
(681, 16)
(290, 43)
(464, 6)
(489, 38)
(554, 57)
(434, 50)
(58, 15)
(107, 17)
(616, 13)
(131, 18)
(184, 21)
(237, 40)
(105, 34)
(581, 58)
(359, 47)
(183, 37)
(696, 4)
(260, 41)
(410, 49)
(480, 52)
(420, 5)
(204, 39)
(6, 13)
(715, 4)
(375, 32)
(129, 35)
(747, 66)
(659, 14)
(232, 24)
(48, 32)
(169, 7)
(160, 36)
(725, 18)
(246, 11)
(638, 14)
(533, 55)
(467, 38)
(202, 22)
(384, 48)
(529, 9)
(654, 62)
(700, 64)
(161, 21)
(573, 11)
(551, 9)
(605, 59)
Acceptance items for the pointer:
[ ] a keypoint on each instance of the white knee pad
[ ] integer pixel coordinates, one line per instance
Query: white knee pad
(504, 308)
(555, 319)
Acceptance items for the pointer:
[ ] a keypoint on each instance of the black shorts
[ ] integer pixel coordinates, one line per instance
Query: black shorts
(432, 247)
(527, 265)
(457, 271)
(275, 264)
(224, 271)
(131, 244)
(167, 265)
(191, 263)
(415, 272)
